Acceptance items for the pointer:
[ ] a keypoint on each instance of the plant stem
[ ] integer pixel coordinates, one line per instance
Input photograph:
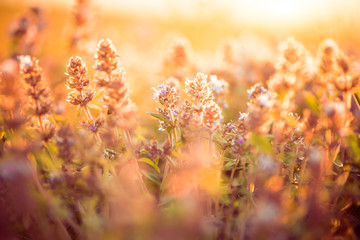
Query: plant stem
(292, 166)
(129, 144)
(90, 118)
(232, 174)
(41, 124)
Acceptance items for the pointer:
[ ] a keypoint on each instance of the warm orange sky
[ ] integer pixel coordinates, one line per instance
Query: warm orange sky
(308, 20)
(274, 11)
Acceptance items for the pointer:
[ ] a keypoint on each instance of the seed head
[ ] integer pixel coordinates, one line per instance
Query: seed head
(111, 77)
(30, 72)
(199, 89)
(106, 57)
(166, 96)
(212, 116)
(78, 82)
(93, 125)
(77, 74)
(327, 52)
(292, 57)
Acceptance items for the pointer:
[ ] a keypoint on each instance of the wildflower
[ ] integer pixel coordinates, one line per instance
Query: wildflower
(231, 127)
(30, 72)
(260, 96)
(240, 140)
(292, 68)
(280, 82)
(78, 82)
(327, 52)
(82, 21)
(212, 116)
(25, 31)
(93, 125)
(48, 130)
(199, 89)
(256, 90)
(243, 115)
(205, 109)
(343, 63)
(121, 109)
(65, 143)
(264, 100)
(218, 86)
(220, 89)
(167, 98)
(153, 151)
(177, 61)
(292, 57)
(77, 74)
(11, 92)
(106, 57)
(188, 117)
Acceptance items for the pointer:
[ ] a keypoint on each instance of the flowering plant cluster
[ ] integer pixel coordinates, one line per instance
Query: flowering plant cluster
(79, 159)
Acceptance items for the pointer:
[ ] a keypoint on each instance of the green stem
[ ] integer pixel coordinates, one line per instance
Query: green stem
(232, 174)
(129, 145)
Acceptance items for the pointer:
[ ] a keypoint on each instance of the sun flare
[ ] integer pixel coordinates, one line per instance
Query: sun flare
(277, 10)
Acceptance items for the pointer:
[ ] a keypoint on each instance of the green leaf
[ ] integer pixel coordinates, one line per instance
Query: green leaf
(109, 150)
(226, 159)
(338, 163)
(150, 162)
(178, 145)
(160, 117)
(45, 162)
(353, 145)
(169, 129)
(229, 165)
(93, 106)
(145, 152)
(99, 93)
(219, 141)
(262, 143)
(312, 102)
(334, 158)
(152, 177)
(357, 99)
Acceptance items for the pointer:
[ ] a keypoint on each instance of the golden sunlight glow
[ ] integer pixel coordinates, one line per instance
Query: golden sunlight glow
(274, 11)
(263, 12)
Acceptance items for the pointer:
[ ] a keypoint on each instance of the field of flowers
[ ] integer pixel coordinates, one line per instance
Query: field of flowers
(120, 137)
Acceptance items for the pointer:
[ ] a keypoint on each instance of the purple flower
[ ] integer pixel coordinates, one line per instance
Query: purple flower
(240, 140)
(93, 128)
